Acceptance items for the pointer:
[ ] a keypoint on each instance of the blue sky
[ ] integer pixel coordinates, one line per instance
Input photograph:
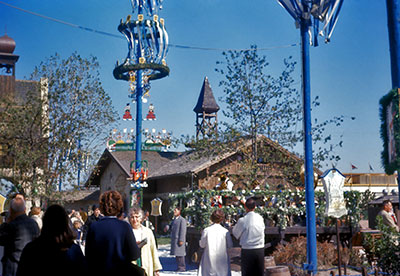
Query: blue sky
(350, 74)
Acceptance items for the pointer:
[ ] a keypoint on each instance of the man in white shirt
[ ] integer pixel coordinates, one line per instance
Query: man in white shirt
(250, 230)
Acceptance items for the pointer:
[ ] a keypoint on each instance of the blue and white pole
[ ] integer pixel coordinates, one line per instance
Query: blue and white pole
(309, 168)
(139, 95)
(307, 15)
(147, 48)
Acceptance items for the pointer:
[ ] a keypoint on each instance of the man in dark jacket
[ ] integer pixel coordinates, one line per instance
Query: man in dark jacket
(15, 234)
(92, 218)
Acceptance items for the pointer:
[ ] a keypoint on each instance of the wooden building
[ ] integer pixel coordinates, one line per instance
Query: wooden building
(172, 172)
(19, 92)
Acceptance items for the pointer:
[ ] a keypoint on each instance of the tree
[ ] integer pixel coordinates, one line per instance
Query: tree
(59, 127)
(257, 103)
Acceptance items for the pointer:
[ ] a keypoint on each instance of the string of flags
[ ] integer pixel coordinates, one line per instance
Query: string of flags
(354, 167)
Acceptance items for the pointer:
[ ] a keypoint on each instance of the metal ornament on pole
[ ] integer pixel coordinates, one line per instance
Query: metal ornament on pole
(307, 15)
(147, 48)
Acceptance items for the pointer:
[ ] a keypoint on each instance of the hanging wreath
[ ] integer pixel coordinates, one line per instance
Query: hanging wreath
(390, 130)
(278, 207)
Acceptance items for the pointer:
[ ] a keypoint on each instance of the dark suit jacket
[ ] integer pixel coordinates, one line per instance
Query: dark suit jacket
(92, 218)
(43, 257)
(14, 236)
(110, 246)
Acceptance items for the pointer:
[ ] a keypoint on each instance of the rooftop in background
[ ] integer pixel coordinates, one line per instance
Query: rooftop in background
(206, 102)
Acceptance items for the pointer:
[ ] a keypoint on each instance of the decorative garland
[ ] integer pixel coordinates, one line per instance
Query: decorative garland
(392, 96)
(277, 207)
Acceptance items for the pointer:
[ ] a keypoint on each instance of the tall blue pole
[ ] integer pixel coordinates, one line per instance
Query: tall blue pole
(311, 265)
(79, 163)
(393, 15)
(60, 180)
(139, 94)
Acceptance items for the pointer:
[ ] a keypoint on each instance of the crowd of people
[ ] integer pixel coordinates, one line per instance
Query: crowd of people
(216, 241)
(110, 242)
(69, 243)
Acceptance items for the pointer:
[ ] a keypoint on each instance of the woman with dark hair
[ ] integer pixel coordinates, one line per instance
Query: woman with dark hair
(215, 240)
(54, 251)
(110, 243)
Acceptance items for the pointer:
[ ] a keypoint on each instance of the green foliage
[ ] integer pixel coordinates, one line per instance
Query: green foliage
(385, 249)
(392, 97)
(70, 108)
(295, 253)
(259, 103)
(279, 207)
(357, 199)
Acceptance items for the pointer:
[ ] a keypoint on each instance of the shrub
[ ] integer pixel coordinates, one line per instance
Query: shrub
(385, 249)
(294, 254)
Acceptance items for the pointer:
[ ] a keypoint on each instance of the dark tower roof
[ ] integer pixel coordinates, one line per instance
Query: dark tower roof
(206, 101)
(7, 58)
(7, 44)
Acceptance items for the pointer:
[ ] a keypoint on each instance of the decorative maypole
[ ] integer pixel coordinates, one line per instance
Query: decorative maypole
(147, 47)
(307, 15)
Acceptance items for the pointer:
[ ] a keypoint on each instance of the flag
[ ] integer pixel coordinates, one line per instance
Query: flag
(370, 167)
(353, 167)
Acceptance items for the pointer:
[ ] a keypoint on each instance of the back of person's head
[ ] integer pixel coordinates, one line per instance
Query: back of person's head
(111, 203)
(56, 227)
(250, 203)
(217, 216)
(17, 206)
(35, 211)
(76, 214)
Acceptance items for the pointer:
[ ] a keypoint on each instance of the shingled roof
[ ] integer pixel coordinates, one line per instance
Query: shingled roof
(124, 158)
(206, 101)
(189, 163)
(167, 164)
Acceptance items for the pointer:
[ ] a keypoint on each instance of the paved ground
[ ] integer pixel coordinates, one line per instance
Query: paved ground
(169, 264)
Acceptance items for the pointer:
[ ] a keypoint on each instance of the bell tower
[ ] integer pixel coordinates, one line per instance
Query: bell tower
(206, 112)
(7, 58)
(7, 66)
